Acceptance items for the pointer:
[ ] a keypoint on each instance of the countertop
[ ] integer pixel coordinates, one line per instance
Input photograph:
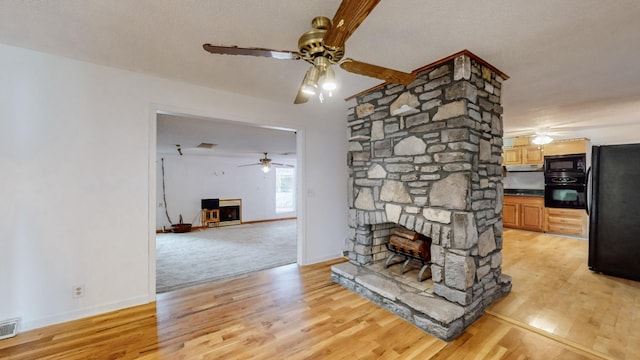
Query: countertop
(524, 192)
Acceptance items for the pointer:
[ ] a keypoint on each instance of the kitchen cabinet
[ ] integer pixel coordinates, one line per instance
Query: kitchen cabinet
(510, 213)
(520, 151)
(567, 147)
(566, 222)
(533, 155)
(523, 212)
(523, 155)
(512, 156)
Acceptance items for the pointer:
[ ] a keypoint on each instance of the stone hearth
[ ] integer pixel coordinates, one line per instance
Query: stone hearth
(434, 169)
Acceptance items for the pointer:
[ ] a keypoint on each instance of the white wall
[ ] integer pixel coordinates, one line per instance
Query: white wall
(78, 187)
(189, 178)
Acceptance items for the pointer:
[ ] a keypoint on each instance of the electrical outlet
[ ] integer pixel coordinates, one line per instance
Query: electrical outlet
(78, 291)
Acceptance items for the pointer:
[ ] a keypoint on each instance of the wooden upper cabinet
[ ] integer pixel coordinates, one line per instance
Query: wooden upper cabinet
(523, 155)
(520, 151)
(533, 155)
(521, 141)
(512, 156)
(566, 147)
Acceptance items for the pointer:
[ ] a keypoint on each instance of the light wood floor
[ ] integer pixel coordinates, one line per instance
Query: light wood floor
(556, 310)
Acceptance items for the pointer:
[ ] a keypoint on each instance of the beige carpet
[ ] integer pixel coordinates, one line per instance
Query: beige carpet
(216, 253)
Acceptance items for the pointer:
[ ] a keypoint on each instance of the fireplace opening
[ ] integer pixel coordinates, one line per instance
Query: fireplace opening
(230, 213)
(406, 247)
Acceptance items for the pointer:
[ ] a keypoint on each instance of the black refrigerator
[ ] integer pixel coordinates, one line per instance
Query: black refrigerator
(614, 222)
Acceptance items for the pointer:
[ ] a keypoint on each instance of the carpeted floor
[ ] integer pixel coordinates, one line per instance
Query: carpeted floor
(212, 254)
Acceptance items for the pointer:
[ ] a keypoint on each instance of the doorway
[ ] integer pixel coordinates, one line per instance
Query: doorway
(200, 150)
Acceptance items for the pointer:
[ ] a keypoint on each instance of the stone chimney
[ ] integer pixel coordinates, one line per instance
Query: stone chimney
(428, 157)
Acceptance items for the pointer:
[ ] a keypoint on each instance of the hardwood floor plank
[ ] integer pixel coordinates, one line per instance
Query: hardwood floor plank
(557, 309)
(554, 291)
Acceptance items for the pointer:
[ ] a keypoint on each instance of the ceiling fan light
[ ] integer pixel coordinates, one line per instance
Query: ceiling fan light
(542, 139)
(310, 83)
(309, 90)
(329, 80)
(266, 168)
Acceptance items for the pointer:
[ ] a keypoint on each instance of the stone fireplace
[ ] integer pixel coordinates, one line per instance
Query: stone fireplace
(427, 157)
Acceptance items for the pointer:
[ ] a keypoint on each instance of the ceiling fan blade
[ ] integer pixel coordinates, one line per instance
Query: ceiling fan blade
(282, 165)
(378, 72)
(349, 16)
(270, 53)
(249, 165)
(301, 97)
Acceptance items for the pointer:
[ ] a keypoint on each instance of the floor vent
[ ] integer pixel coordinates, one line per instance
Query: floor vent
(8, 328)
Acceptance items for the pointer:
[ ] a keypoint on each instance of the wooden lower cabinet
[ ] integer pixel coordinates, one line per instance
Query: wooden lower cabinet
(523, 212)
(566, 222)
(529, 213)
(510, 214)
(532, 216)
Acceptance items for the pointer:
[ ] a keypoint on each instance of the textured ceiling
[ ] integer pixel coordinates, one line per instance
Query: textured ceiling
(228, 138)
(572, 63)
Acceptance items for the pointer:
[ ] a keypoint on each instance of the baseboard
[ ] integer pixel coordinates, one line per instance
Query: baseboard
(320, 259)
(268, 220)
(27, 325)
(160, 231)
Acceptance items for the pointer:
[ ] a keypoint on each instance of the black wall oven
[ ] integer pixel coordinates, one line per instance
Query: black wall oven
(565, 181)
(567, 191)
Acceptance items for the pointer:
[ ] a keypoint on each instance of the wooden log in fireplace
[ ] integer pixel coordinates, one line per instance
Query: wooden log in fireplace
(411, 246)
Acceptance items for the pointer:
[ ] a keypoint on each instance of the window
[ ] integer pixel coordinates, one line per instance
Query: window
(285, 190)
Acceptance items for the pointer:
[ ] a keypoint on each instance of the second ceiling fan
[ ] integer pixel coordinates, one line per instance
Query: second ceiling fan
(266, 164)
(322, 47)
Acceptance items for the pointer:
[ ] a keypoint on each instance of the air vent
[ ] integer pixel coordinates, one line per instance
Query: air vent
(8, 328)
(205, 146)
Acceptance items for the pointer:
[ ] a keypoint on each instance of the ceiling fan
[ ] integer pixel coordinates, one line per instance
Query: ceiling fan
(545, 135)
(322, 47)
(266, 164)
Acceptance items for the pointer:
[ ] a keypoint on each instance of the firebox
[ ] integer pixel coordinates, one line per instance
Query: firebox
(230, 212)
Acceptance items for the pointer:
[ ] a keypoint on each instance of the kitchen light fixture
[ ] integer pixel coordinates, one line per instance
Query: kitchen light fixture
(542, 137)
